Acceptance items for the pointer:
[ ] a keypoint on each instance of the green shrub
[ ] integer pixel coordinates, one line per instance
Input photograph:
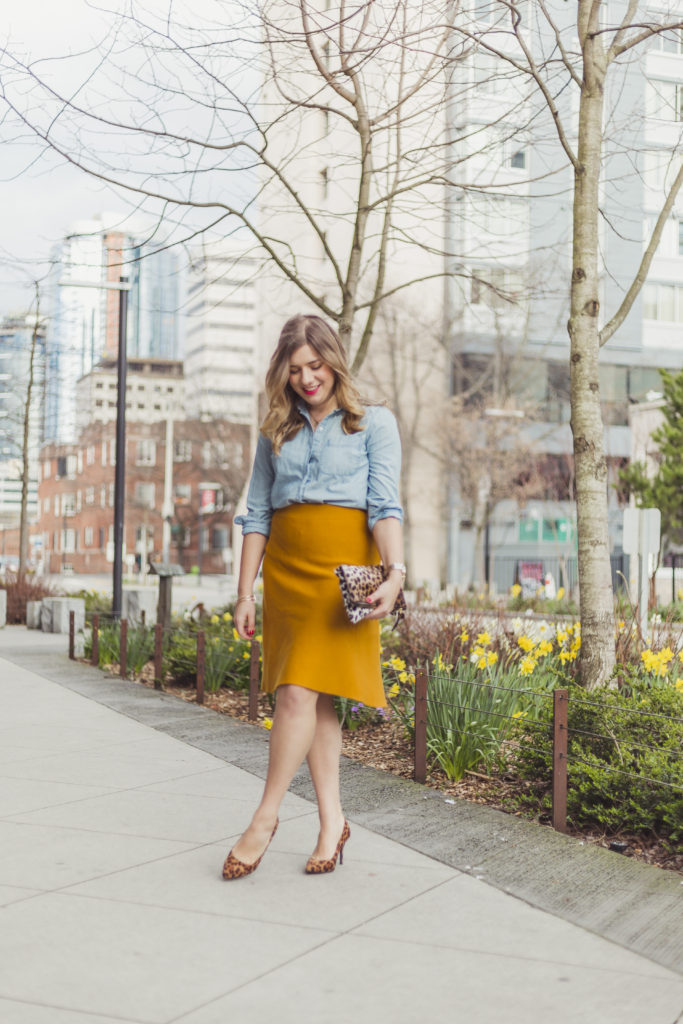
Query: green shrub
(615, 748)
(227, 657)
(97, 602)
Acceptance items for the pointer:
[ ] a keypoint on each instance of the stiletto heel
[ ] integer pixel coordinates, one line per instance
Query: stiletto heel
(236, 868)
(314, 866)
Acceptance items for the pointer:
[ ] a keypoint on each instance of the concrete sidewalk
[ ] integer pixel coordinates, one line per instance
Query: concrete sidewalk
(118, 804)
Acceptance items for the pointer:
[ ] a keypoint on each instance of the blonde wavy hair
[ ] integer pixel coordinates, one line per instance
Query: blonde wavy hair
(283, 420)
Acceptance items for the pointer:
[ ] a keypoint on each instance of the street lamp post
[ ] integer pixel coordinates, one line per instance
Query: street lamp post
(122, 286)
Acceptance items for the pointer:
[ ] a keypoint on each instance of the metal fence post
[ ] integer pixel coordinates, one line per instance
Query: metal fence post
(560, 735)
(421, 680)
(158, 649)
(200, 665)
(254, 680)
(95, 652)
(72, 632)
(123, 648)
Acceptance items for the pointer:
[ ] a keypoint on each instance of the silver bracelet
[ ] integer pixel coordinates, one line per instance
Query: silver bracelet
(245, 597)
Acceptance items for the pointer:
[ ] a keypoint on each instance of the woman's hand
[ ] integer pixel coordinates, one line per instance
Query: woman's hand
(245, 618)
(384, 598)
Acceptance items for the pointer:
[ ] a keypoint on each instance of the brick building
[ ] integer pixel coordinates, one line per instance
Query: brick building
(76, 495)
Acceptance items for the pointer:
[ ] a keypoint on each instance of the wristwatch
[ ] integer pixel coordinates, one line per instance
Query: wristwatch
(401, 568)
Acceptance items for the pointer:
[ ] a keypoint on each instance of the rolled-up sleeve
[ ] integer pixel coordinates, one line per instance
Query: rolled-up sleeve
(259, 503)
(384, 455)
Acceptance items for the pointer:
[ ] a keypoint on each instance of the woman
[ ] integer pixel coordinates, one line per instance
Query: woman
(324, 491)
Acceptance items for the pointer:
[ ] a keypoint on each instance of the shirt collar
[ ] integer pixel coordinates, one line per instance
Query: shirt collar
(303, 409)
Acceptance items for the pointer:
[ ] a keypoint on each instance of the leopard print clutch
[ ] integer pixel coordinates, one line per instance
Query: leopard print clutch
(357, 582)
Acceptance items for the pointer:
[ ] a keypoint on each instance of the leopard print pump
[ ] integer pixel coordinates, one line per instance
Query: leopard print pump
(323, 867)
(236, 868)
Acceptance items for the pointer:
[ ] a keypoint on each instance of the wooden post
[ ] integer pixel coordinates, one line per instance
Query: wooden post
(200, 665)
(123, 648)
(560, 734)
(158, 649)
(72, 633)
(143, 618)
(254, 680)
(165, 601)
(421, 725)
(95, 653)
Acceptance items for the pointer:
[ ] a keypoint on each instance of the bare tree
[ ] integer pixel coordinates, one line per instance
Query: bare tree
(544, 53)
(318, 137)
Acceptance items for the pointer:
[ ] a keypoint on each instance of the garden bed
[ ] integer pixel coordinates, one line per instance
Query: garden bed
(385, 746)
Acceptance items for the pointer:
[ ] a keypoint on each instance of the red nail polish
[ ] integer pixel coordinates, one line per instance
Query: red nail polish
(250, 632)
(369, 600)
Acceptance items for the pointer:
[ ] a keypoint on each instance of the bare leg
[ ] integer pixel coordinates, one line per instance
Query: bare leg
(294, 725)
(323, 763)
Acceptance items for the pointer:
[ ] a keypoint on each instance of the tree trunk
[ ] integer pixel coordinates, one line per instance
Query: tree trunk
(597, 657)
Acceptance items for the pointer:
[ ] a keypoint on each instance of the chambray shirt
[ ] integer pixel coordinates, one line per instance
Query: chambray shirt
(328, 467)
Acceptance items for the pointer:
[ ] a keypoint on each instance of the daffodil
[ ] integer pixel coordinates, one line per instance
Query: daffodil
(526, 643)
(394, 690)
(484, 639)
(464, 636)
(267, 723)
(527, 665)
(515, 590)
(227, 617)
(679, 683)
(560, 593)
(491, 657)
(214, 620)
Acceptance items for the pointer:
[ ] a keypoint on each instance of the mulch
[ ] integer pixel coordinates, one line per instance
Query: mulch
(385, 746)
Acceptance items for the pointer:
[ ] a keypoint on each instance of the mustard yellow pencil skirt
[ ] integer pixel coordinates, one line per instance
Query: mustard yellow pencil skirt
(307, 638)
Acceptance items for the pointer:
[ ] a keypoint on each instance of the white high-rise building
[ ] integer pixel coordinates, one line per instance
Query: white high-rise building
(220, 336)
(16, 339)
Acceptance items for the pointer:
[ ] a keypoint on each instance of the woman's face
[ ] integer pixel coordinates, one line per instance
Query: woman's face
(312, 380)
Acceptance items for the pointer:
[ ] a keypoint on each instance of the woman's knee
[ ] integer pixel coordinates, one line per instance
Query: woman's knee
(295, 699)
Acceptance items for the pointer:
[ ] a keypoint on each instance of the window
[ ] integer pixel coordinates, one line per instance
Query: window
(111, 495)
(182, 493)
(46, 505)
(79, 461)
(495, 287)
(78, 500)
(146, 452)
(68, 541)
(144, 494)
(663, 302)
(558, 530)
(68, 504)
(90, 454)
(71, 466)
(100, 543)
(56, 505)
(47, 467)
(103, 496)
(112, 452)
(104, 453)
(665, 100)
(87, 536)
(182, 451)
(90, 495)
(219, 538)
(490, 73)
(668, 42)
(518, 159)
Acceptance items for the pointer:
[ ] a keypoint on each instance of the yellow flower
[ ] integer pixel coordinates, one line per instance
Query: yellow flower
(464, 636)
(484, 639)
(258, 638)
(545, 647)
(520, 714)
(231, 648)
(403, 677)
(214, 620)
(398, 664)
(525, 642)
(621, 625)
(491, 657)
(394, 691)
(235, 635)
(561, 636)
(227, 617)
(679, 683)
(527, 665)
(246, 655)
(515, 590)
(267, 723)
(481, 662)
(560, 593)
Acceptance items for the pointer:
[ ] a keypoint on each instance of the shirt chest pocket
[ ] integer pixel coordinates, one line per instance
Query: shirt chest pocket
(344, 456)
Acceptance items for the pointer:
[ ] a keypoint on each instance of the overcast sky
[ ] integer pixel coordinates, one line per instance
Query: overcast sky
(40, 200)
